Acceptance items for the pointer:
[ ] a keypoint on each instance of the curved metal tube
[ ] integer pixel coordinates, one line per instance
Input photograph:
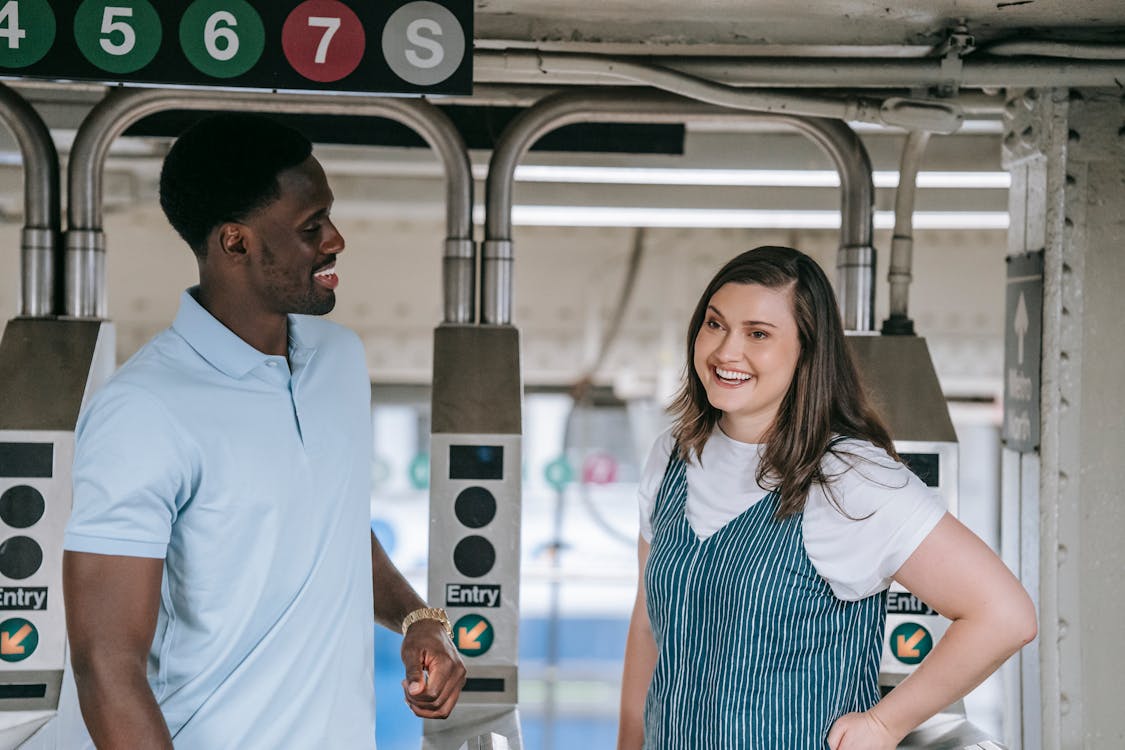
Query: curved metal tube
(39, 261)
(902, 244)
(85, 287)
(836, 138)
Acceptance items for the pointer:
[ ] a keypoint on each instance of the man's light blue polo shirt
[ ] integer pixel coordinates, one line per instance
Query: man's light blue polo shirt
(250, 475)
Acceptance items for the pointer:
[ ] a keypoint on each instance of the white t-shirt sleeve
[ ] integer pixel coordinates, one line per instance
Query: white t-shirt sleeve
(651, 477)
(893, 512)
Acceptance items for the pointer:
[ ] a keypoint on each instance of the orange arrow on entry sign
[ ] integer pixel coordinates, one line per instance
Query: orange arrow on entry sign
(467, 639)
(11, 644)
(906, 646)
(474, 634)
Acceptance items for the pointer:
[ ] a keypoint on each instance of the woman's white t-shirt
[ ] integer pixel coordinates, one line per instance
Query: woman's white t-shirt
(857, 558)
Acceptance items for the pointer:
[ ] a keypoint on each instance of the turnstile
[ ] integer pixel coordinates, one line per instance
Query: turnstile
(902, 384)
(48, 367)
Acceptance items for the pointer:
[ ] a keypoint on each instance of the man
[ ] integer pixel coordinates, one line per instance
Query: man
(218, 564)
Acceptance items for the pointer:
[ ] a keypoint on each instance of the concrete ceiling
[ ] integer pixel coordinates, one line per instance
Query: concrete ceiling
(858, 28)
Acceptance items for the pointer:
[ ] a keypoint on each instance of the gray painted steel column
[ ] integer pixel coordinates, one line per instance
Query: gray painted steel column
(1066, 153)
(85, 274)
(857, 253)
(39, 259)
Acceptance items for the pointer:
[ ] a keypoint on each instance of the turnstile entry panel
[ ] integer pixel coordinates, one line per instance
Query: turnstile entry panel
(474, 560)
(35, 497)
(900, 380)
(913, 627)
(475, 573)
(47, 370)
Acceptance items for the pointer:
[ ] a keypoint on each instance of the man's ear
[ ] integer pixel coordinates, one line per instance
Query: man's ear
(232, 239)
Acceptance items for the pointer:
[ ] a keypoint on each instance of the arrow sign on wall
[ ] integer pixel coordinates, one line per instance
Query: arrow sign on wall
(1020, 325)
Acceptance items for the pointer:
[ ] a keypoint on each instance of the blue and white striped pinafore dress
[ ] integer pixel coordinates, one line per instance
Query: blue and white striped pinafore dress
(754, 650)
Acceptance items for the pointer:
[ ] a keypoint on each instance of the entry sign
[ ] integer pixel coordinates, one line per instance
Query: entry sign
(390, 47)
(1023, 333)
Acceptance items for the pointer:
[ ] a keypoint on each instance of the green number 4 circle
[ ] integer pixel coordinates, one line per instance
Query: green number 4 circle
(27, 31)
(222, 38)
(118, 36)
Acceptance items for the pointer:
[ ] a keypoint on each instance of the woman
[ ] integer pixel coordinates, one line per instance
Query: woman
(774, 515)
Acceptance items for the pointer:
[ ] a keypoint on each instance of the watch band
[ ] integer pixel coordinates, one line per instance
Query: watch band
(428, 613)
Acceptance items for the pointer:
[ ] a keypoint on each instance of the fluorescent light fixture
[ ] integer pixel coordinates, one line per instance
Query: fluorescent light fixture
(747, 177)
(614, 216)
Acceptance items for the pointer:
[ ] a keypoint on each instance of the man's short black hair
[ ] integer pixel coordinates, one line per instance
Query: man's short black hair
(224, 168)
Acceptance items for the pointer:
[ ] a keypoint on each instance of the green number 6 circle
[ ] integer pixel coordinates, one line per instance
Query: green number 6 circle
(118, 36)
(222, 38)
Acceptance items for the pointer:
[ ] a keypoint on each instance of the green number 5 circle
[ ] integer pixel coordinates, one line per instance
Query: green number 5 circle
(222, 38)
(118, 36)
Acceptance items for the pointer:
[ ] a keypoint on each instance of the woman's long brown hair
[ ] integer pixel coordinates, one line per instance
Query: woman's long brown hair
(825, 400)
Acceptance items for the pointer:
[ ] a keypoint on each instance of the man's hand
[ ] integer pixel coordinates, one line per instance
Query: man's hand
(860, 731)
(435, 673)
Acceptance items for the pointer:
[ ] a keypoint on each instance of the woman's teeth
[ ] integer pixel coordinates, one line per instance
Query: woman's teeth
(732, 375)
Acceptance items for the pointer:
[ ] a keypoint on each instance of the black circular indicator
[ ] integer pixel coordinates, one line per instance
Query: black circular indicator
(21, 506)
(20, 557)
(474, 556)
(475, 507)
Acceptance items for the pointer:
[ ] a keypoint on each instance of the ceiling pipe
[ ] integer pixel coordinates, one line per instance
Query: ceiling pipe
(39, 241)
(899, 275)
(856, 263)
(931, 114)
(1068, 50)
(85, 240)
(977, 71)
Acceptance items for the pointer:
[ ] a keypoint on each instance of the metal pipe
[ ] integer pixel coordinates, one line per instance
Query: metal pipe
(644, 105)
(976, 71)
(39, 256)
(1044, 48)
(85, 241)
(902, 244)
(932, 114)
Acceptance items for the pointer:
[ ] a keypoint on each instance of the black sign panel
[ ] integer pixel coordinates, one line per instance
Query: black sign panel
(926, 466)
(905, 603)
(23, 597)
(472, 595)
(26, 460)
(416, 46)
(476, 462)
(1023, 342)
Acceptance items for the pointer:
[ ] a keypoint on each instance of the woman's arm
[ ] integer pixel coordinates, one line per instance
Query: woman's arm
(640, 661)
(992, 617)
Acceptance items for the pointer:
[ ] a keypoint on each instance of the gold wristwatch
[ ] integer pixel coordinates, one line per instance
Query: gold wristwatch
(428, 613)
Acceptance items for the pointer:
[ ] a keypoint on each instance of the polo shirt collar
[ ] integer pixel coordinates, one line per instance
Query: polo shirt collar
(219, 345)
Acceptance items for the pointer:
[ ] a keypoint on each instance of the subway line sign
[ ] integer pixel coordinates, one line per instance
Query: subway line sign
(393, 47)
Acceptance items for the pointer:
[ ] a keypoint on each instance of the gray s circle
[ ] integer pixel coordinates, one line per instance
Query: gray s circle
(423, 43)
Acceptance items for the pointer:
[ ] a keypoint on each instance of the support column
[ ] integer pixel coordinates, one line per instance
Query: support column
(1065, 150)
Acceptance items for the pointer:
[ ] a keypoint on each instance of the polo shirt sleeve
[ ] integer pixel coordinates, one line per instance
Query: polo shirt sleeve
(891, 512)
(131, 475)
(651, 477)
